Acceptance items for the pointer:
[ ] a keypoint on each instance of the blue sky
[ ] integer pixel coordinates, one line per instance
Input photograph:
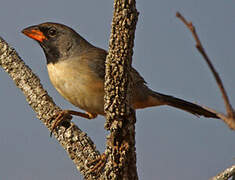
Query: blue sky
(171, 144)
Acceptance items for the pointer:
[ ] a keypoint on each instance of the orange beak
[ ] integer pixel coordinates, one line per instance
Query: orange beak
(34, 33)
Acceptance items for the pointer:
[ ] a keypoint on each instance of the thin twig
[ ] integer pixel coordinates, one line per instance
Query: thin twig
(230, 118)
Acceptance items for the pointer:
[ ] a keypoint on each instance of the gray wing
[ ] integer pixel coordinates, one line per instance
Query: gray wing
(97, 62)
(97, 65)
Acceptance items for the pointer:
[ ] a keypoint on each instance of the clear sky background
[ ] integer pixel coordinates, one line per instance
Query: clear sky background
(171, 144)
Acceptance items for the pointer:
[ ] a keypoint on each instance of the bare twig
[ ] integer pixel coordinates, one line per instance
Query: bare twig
(226, 174)
(229, 119)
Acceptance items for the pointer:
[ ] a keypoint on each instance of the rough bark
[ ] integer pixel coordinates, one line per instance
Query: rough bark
(120, 118)
(226, 174)
(78, 145)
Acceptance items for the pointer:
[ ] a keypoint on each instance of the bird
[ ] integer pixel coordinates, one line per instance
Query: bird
(76, 69)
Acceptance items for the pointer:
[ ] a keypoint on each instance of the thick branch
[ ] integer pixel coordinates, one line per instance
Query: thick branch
(226, 174)
(120, 117)
(229, 119)
(78, 145)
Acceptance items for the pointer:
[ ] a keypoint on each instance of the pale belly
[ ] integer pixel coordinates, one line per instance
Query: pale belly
(78, 85)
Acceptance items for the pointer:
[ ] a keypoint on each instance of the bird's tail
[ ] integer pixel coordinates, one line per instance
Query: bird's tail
(181, 104)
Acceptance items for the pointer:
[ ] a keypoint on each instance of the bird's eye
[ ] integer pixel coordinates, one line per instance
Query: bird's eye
(52, 32)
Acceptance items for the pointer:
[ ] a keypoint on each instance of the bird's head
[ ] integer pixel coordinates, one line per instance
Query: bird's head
(58, 41)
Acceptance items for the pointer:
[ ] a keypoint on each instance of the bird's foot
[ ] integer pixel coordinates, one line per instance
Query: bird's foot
(66, 115)
(98, 163)
(60, 116)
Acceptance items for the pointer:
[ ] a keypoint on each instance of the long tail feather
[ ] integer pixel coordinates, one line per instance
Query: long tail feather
(183, 105)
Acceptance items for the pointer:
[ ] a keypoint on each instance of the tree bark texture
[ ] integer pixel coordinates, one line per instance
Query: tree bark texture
(77, 144)
(226, 174)
(120, 118)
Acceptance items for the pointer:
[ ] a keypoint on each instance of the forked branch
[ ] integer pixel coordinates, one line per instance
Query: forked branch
(229, 119)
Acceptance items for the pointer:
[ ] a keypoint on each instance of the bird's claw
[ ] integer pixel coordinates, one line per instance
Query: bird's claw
(66, 115)
(60, 117)
(99, 164)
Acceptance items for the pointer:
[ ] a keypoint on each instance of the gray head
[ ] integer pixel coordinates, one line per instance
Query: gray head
(58, 41)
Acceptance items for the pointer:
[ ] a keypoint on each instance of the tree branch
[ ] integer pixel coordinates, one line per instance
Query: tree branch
(78, 145)
(120, 117)
(229, 119)
(226, 174)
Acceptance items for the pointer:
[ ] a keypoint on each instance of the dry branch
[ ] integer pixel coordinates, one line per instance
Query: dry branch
(229, 119)
(120, 117)
(226, 174)
(78, 145)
